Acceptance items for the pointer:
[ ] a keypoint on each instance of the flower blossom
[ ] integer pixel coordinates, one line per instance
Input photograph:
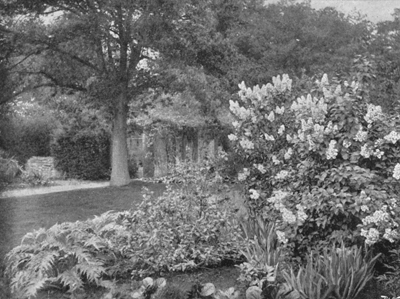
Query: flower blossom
(390, 235)
(396, 171)
(232, 137)
(374, 113)
(377, 217)
(371, 235)
(366, 152)
(280, 111)
(378, 153)
(288, 216)
(246, 144)
(361, 136)
(346, 143)
(281, 129)
(332, 151)
(275, 160)
(271, 116)
(254, 194)
(281, 175)
(269, 137)
(288, 154)
(281, 237)
(260, 168)
(392, 137)
(244, 174)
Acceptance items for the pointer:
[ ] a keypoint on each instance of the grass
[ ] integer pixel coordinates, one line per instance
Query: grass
(21, 215)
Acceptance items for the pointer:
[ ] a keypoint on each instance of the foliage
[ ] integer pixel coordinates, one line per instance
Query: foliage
(27, 131)
(262, 253)
(186, 228)
(84, 156)
(9, 169)
(323, 167)
(340, 272)
(67, 255)
(34, 178)
(390, 279)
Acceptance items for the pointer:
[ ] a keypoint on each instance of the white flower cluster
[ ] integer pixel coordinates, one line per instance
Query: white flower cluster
(378, 153)
(282, 85)
(306, 106)
(281, 130)
(260, 168)
(288, 154)
(232, 137)
(318, 133)
(269, 137)
(306, 125)
(374, 113)
(392, 137)
(277, 197)
(390, 235)
(301, 214)
(332, 151)
(364, 208)
(366, 152)
(254, 194)
(346, 143)
(371, 235)
(281, 237)
(241, 112)
(280, 110)
(244, 174)
(288, 216)
(271, 116)
(396, 171)
(281, 175)
(246, 144)
(275, 160)
(376, 218)
(361, 136)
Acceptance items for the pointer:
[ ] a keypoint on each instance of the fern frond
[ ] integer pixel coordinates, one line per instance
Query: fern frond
(70, 279)
(93, 270)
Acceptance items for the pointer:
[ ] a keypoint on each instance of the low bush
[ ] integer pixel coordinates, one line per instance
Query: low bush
(83, 156)
(184, 229)
(27, 136)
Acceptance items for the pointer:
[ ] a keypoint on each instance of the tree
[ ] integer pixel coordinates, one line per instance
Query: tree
(99, 44)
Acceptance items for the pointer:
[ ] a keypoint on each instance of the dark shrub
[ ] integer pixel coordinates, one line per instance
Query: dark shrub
(83, 156)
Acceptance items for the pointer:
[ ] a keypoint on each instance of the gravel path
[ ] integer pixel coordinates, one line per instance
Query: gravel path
(52, 189)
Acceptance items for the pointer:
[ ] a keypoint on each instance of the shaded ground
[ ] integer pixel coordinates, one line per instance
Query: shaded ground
(21, 215)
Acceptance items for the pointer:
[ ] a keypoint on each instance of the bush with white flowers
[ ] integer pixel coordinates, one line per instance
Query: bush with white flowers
(323, 166)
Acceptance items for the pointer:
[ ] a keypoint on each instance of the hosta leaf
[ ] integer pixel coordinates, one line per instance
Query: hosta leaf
(207, 290)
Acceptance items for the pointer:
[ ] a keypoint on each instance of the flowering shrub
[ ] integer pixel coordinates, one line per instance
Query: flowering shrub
(323, 166)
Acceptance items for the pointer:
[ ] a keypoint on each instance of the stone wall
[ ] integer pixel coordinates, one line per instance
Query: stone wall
(43, 166)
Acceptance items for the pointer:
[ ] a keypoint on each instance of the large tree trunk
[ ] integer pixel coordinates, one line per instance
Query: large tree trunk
(119, 146)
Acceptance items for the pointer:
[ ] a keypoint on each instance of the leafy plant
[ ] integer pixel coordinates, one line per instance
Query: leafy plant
(68, 255)
(340, 272)
(390, 279)
(150, 288)
(262, 252)
(325, 166)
